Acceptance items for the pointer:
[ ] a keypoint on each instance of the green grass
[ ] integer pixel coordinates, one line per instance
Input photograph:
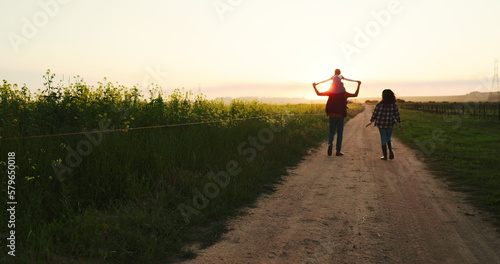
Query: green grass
(462, 149)
(117, 197)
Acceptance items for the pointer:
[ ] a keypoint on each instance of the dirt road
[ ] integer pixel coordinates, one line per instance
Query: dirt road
(359, 209)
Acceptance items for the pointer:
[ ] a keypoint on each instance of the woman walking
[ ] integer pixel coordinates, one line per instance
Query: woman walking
(385, 116)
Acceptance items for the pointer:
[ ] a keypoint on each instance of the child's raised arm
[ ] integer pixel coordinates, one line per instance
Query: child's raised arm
(329, 79)
(349, 79)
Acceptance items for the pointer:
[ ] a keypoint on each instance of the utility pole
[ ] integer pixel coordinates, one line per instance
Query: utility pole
(495, 84)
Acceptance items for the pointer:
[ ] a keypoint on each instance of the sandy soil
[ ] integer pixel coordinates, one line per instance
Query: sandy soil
(359, 209)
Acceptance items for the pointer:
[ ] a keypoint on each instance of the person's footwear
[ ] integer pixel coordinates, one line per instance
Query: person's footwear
(330, 150)
(391, 153)
(384, 151)
(339, 154)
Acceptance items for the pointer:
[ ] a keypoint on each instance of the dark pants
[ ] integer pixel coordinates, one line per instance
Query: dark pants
(336, 125)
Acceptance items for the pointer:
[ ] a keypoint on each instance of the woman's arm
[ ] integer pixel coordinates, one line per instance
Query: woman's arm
(396, 113)
(374, 115)
(397, 116)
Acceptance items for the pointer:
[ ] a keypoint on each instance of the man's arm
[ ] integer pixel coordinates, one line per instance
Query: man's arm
(327, 93)
(356, 93)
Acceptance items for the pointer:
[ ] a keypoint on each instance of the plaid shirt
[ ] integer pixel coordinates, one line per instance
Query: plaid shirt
(385, 115)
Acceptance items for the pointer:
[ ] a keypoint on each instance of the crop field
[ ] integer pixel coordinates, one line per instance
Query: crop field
(103, 174)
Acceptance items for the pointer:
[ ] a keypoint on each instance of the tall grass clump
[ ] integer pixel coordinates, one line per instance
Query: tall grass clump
(123, 191)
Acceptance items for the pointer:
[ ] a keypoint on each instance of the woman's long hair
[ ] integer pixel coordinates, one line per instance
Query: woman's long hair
(388, 97)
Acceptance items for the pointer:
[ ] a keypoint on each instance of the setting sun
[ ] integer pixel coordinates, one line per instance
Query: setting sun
(213, 45)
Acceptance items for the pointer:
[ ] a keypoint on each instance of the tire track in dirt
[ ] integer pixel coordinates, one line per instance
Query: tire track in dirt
(358, 209)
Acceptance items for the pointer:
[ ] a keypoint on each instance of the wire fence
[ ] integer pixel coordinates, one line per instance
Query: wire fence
(472, 109)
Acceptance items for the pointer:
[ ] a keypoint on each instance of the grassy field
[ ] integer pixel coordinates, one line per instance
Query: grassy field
(138, 195)
(464, 150)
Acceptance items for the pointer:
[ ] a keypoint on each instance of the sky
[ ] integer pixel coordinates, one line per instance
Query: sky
(239, 48)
